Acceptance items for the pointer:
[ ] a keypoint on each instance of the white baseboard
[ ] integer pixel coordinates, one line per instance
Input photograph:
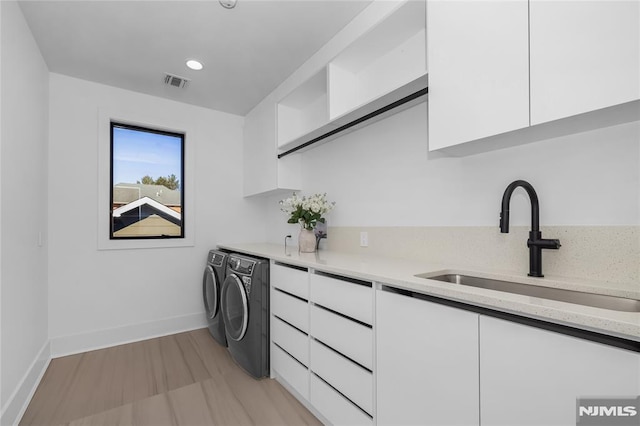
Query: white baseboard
(56, 347)
(18, 402)
(99, 339)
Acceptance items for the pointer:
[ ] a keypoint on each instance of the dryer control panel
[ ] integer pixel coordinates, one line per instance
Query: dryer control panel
(241, 265)
(216, 258)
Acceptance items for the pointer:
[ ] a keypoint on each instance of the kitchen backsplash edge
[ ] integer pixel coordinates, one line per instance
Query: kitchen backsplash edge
(606, 254)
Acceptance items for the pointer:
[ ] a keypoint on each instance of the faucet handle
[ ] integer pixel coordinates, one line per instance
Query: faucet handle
(554, 243)
(544, 243)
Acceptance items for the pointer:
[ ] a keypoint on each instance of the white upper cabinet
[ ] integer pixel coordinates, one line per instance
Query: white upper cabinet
(264, 173)
(478, 69)
(499, 66)
(585, 55)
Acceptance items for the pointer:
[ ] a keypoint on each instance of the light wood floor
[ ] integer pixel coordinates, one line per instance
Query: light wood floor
(183, 379)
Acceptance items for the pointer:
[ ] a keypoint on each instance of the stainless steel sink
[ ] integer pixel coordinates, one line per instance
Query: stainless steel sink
(571, 296)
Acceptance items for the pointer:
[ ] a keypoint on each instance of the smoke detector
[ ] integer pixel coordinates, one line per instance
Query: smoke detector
(228, 4)
(175, 81)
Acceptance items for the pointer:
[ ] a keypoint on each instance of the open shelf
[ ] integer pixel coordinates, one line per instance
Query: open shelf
(381, 61)
(405, 97)
(383, 69)
(303, 110)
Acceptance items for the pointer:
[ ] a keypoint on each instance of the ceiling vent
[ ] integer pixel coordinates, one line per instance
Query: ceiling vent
(175, 81)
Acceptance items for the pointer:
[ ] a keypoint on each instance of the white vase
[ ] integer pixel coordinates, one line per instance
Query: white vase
(307, 241)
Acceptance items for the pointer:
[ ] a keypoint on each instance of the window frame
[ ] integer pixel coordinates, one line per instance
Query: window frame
(173, 133)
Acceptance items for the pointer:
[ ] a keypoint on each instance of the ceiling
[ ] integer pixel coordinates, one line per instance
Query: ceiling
(246, 51)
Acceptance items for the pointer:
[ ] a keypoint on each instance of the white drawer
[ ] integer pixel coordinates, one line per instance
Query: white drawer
(290, 339)
(344, 335)
(336, 408)
(291, 280)
(353, 300)
(350, 379)
(291, 309)
(294, 373)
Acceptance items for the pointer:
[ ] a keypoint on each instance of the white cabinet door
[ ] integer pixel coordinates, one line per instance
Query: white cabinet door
(260, 167)
(585, 55)
(532, 377)
(289, 369)
(345, 376)
(291, 309)
(427, 363)
(263, 171)
(343, 296)
(290, 279)
(478, 63)
(350, 338)
(337, 409)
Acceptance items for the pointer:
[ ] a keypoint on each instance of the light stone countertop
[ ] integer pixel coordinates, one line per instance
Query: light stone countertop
(401, 273)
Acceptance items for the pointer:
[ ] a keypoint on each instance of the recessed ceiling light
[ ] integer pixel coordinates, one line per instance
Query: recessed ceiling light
(194, 65)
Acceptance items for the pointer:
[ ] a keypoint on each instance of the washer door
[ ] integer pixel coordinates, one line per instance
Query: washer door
(210, 292)
(235, 308)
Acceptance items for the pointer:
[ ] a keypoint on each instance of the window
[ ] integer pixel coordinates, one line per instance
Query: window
(147, 183)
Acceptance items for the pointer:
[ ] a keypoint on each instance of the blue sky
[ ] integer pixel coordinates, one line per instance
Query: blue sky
(136, 154)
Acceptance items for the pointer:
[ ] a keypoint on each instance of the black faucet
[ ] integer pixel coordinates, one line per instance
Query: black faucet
(535, 242)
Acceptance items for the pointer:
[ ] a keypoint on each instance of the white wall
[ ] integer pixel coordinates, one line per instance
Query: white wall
(1, 393)
(103, 297)
(23, 153)
(382, 175)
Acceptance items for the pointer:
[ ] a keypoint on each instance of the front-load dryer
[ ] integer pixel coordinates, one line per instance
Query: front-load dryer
(212, 280)
(245, 310)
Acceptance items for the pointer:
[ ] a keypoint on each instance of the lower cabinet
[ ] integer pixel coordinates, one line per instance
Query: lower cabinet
(341, 329)
(289, 324)
(291, 370)
(335, 407)
(352, 339)
(427, 362)
(532, 377)
(322, 342)
(351, 380)
(292, 340)
(398, 358)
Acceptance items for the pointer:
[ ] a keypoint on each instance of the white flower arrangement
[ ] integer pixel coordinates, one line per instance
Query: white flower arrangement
(307, 211)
